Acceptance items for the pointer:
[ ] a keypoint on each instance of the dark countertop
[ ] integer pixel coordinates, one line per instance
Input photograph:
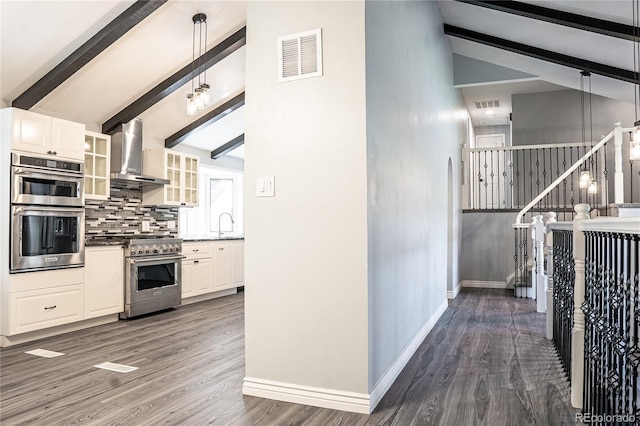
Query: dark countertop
(103, 243)
(204, 238)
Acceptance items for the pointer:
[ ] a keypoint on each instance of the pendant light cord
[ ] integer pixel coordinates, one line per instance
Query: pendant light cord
(636, 52)
(206, 31)
(582, 111)
(193, 58)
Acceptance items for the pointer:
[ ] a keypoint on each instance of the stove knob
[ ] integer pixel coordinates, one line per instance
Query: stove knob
(147, 251)
(157, 251)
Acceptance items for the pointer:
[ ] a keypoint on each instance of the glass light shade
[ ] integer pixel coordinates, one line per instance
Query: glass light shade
(636, 136)
(206, 96)
(198, 98)
(191, 105)
(593, 187)
(585, 178)
(634, 152)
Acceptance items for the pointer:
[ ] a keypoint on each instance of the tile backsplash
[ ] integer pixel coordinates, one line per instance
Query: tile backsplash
(122, 215)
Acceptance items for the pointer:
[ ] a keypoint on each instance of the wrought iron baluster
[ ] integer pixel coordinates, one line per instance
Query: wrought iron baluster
(557, 190)
(486, 190)
(492, 205)
(511, 188)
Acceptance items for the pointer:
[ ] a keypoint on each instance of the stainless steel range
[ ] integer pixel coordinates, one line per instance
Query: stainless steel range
(153, 275)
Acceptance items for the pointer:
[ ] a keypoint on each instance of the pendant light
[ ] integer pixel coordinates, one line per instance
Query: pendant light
(586, 180)
(199, 97)
(634, 151)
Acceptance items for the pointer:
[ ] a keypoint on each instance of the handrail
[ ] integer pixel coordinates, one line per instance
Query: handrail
(621, 225)
(564, 226)
(531, 147)
(562, 177)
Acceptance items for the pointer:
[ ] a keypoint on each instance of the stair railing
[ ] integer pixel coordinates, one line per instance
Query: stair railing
(564, 175)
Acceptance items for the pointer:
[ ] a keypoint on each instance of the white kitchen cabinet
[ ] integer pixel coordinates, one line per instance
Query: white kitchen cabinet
(182, 172)
(221, 259)
(197, 269)
(103, 281)
(38, 300)
(40, 134)
(211, 266)
(236, 271)
(97, 151)
(37, 309)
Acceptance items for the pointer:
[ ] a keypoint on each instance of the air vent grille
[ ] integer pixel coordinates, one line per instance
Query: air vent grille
(300, 55)
(487, 104)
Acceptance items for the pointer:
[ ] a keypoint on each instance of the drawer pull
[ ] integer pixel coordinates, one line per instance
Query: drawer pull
(48, 308)
(196, 261)
(196, 250)
(220, 248)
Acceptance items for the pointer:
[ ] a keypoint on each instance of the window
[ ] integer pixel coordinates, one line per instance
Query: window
(221, 191)
(221, 201)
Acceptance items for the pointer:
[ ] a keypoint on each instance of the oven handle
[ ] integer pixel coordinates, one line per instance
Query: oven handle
(19, 210)
(155, 259)
(34, 171)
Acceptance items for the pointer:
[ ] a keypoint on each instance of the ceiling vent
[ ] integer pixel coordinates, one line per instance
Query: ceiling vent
(486, 104)
(300, 55)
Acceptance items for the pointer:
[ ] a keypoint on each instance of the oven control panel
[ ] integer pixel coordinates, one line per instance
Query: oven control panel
(154, 247)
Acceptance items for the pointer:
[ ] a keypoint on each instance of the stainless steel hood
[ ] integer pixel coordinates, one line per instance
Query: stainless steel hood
(126, 155)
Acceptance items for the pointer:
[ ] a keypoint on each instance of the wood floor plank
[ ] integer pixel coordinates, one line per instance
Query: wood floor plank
(486, 362)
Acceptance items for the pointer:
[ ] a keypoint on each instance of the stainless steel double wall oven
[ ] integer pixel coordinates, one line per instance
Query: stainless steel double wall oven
(47, 213)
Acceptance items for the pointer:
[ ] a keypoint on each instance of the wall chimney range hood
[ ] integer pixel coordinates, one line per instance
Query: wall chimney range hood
(126, 155)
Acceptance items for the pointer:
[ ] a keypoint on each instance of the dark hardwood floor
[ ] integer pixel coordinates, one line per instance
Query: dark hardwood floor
(486, 362)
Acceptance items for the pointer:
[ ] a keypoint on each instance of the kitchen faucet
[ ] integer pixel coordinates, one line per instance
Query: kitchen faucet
(220, 219)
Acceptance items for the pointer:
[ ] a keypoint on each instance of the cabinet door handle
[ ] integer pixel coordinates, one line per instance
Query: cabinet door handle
(196, 261)
(220, 248)
(54, 153)
(48, 308)
(49, 152)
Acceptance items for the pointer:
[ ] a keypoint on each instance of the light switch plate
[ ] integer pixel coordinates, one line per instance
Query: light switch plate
(146, 226)
(266, 186)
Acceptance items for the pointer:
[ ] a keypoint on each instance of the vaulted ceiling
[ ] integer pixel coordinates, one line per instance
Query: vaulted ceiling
(576, 42)
(36, 36)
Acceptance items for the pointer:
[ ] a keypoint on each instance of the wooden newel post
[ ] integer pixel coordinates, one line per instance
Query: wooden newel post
(577, 338)
(551, 218)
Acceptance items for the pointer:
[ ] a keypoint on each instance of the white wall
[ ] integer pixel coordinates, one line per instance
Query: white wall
(305, 252)
(412, 132)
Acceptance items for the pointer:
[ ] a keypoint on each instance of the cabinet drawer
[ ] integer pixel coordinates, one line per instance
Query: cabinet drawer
(196, 249)
(38, 309)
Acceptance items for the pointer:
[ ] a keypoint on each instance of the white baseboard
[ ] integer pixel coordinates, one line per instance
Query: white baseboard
(208, 296)
(341, 400)
(484, 284)
(30, 336)
(307, 395)
(392, 373)
(454, 293)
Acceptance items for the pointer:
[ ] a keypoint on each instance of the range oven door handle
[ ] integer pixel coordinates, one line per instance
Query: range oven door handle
(167, 259)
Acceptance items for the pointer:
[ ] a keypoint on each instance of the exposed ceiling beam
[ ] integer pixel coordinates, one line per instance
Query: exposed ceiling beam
(586, 23)
(177, 80)
(545, 55)
(207, 119)
(85, 53)
(227, 147)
